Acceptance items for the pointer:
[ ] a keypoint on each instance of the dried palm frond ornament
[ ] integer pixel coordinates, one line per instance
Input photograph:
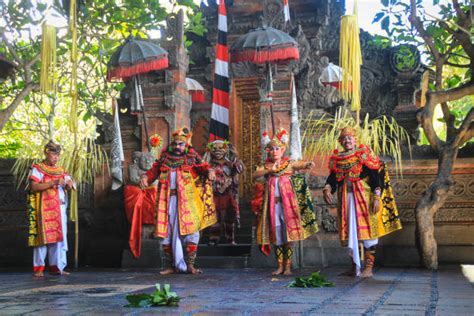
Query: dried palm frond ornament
(382, 134)
(350, 60)
(73, 93)
(48, 59)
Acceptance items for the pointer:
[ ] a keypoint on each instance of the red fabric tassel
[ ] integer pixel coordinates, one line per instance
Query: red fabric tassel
(265, 249)
(257, 202)
(213, 137)
(140, 209)
(197, 96)
(125, 72)
(191, 248)
(259, 57)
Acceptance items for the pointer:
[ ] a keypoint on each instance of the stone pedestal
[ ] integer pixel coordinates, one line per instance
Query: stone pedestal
(150, 256)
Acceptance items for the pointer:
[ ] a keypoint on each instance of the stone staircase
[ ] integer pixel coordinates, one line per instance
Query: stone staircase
(227, 255)
(218, 256)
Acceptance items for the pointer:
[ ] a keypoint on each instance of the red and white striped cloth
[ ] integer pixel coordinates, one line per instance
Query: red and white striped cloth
(219, 125)
(286, 10)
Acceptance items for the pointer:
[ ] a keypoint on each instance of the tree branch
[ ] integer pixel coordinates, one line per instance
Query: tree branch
(451, 94)
(8, 111)
(10, 47)
(416, 22)
(425, 118)
(449, 120)
(468, 135)
(457, 65)
(463, 131)
(462, 37)
(462, 16)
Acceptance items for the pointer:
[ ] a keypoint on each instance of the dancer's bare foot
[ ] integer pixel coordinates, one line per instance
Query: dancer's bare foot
(288, 269)
(38, 274)
(59, 273)
(288, 272)
(278, 271)
(367, 273)
(167, 271)
(193, 270)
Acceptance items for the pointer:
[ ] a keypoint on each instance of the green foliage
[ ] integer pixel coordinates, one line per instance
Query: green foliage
(314, 280)
(405, 58)
(380, 41)
(454, 71)
(383, 135)
(8, 149)
(161, 297)
(102, 27)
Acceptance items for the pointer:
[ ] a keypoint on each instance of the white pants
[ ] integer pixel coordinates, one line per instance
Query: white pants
(57, 252)
(175, 239)
(280, 227)
(353, 242)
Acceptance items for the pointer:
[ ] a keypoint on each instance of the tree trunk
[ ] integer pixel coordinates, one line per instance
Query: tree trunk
(429, 203)
(6, 113)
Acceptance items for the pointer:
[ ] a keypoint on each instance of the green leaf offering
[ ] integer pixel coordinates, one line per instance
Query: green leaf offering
(314, 280)
(161, 297)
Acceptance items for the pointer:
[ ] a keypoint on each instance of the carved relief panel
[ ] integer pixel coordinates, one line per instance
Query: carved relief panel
(249, 143)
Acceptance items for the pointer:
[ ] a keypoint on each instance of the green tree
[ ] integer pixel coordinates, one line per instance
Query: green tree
(445, 41)
(27, 115)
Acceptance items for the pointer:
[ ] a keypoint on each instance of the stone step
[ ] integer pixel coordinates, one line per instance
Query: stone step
(227, 250)
(239, 239)
(222, 262)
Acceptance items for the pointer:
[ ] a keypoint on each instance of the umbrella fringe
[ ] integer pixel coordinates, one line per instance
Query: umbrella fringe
(197, 96)
(123, 72)
(259, 57)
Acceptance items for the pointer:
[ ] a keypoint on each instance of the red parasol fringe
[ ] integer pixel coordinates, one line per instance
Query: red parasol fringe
(124, 72)
(263, 56)
(197, 96)
(337, 85)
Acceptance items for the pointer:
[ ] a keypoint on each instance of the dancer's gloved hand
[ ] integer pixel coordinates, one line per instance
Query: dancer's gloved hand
(143, 182)
(327, 194)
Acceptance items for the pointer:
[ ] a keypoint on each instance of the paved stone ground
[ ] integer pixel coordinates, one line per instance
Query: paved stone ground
(393, 291)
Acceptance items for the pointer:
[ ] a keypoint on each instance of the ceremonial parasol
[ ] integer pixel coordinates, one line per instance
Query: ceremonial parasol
(265, 45)
(332, 76)
(134, 57)
(195, 89)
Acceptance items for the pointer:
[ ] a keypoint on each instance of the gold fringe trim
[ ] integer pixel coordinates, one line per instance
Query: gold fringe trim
(350, 60)
(48, 59)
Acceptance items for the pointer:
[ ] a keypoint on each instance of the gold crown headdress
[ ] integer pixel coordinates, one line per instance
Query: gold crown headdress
(280, 139)
(347, 131)
(182, 134)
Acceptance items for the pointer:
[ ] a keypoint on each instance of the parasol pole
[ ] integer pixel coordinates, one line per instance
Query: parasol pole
(142, 104)
(270, 92)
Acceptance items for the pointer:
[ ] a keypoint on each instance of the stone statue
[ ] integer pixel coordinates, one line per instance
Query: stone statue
(141, 162)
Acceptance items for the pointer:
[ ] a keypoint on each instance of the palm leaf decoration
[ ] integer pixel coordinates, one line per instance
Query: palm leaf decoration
(382, 134)
(160, 297)
(314, 280)
(83, 161)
